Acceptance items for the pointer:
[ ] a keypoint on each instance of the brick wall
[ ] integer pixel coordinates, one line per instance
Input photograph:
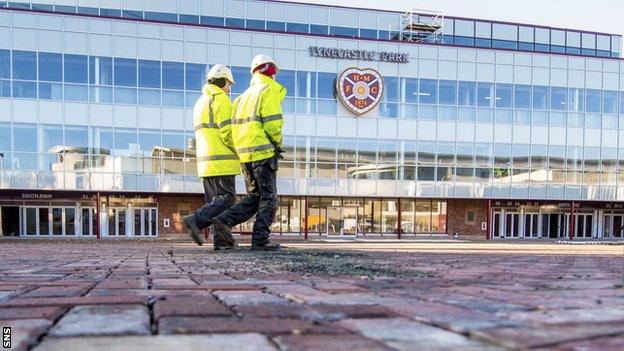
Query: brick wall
(169, 207)
(457, 218)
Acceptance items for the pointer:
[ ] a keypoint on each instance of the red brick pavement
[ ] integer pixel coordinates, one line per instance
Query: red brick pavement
(123, 295)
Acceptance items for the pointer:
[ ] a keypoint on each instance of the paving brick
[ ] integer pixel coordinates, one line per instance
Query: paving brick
(31, 312)
(103, 320)
(190, 306)
(238, 297)
(615, 343)
(404, 334)
(328, 343)
(268, 326)
(123, 284)
(150, 292)
(214, 342)
(54, 291)
(25, 332)
(74, 301)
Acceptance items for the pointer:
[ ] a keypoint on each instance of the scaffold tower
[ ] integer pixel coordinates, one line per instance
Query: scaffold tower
(418, 25)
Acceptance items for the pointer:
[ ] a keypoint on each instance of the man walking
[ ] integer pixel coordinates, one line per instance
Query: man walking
(257, 135)
(217, 162)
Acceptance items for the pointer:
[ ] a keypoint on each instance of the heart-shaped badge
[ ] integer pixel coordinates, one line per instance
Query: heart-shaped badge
(360, 89)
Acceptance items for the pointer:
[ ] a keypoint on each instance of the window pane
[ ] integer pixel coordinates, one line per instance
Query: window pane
(5, 64)
(173, 75)
(5, 137)
(242, 78)
(392, 89)
(485, 94)
(75, 92)
(149, 73)
(467, 93)
(542, 35)
(522, 96)
(503, 95)
(428, 91)
(504, 32)
(610, 101)
(50, 67)
(24, 65)
(195, 75)
(326, 85)
(76, 136)
(593, 100)
(25, 138)
(125, 72)
(100, 70)
(540, 97)
(26, 90)
(559, 99)
(306, 84)
(75, 68)
(410, 90)
(287, 79)
(464, 28)
(576, 100)
(448, 92)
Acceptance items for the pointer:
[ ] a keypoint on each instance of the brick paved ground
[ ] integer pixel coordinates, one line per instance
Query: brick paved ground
(134, 295)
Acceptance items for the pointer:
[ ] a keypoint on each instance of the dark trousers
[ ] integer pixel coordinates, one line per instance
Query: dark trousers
(220, 194)
(261, 199)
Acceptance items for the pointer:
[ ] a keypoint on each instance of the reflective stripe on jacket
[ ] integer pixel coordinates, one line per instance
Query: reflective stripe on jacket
(213, 134)
(257, 119)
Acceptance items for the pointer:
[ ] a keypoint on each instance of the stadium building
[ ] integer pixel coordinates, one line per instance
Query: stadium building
(399, 124)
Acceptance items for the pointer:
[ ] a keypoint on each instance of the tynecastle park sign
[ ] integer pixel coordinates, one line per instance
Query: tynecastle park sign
(365, 55)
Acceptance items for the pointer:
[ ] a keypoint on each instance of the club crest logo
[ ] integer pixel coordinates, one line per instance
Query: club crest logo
(360, 89)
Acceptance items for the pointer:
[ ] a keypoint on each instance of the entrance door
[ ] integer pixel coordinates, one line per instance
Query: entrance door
(10, 220)
(145, 220)
(334, 221)
(350, 220)
(614, 226)
(531, 225)
(584, 225)
(116, 221)
(87, 221)
(496, 224)
(512, 224)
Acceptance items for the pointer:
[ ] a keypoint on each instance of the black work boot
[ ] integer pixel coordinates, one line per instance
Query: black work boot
(223, 232)
(266, 247)
(191, 225)
(221, 247)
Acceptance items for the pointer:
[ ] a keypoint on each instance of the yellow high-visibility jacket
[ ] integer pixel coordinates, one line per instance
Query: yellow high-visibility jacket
(257, 119)
(213, 134)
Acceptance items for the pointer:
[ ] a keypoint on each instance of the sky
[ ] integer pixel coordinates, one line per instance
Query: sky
(593, 15)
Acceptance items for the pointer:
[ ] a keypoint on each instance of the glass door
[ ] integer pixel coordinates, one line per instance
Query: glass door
(31, 219)
(116, 221)
(531, 225)
(87, 219)
(496, 224)
(334, 221)
(618, 226)
(350, 221)
(512, 224)
(145, 221)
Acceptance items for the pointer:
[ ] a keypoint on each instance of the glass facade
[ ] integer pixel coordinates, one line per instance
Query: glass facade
(493, 112)
(352, 23)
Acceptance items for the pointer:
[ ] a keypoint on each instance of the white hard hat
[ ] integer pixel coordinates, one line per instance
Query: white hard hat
(261, 59)
(220, 71)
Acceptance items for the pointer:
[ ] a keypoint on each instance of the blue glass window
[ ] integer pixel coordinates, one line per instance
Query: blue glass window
(5, 88)
(161, 16)
(110, 12)
(593, 100)
(191, 19)
(242, 78)
(326, 82)
(212, 21)
(132, 14)
(558, 98)
(504, 95)
(66, 9)
(384, 34)
(125, 96)
(19, 5)
(173, 75)
(235, 22)
(621, 102)
(50, 67)
(557, 49)
(26, 90)
(24, 65)
(485, 94)
(343, 31)
(88, 10)
(100, 94)
(465, 41)
(483, 43)
(542, 48)
(50, 91)
(76, 68)
(276, 26)
(149, 97)
(297, 27)
(256, 24)
(411, 90)
(5, 137)
(306, 84)
(320, 29)
(574, 51)
(195, 74)
(522, 96)
(76, 136)
(41, 7)
(149, 74)
(540, 97)
(526, 46)
(448, 92)
(125, 72)
(610, 101)
(428, 91)
(576, 100)
(173, 98)
(392, 89)
(287, 79)
(5, 64)
(76, 92)
(505, 44)
(467, 93)
(368, 33)
(100, 70)
(25, 138)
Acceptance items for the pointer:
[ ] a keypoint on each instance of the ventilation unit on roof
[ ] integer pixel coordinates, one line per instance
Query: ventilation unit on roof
(420, 26)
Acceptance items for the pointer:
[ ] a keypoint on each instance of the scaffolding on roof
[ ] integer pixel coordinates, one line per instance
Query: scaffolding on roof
(419, 25)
